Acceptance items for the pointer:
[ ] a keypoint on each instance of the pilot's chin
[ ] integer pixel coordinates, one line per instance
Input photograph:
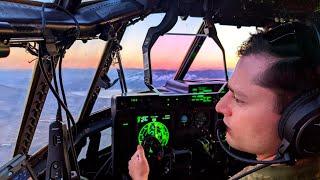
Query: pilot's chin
(230, 141)
(235, 145)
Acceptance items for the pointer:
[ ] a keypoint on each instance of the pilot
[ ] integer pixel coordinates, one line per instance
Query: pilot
(264, 82)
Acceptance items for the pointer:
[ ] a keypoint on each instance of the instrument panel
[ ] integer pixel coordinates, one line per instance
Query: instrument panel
(162, 124)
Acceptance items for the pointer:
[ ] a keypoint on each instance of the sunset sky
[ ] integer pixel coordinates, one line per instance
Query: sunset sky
(167, 53)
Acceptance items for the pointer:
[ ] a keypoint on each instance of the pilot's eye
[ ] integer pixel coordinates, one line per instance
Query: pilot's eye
(236, 99)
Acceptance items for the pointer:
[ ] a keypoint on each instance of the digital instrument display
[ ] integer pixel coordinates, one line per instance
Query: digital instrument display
(202, 89)
(153, 126)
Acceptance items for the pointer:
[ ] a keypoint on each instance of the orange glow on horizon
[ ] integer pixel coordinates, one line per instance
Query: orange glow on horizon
(167, 53)
(18, 59)
(80, 56)
(83, 59)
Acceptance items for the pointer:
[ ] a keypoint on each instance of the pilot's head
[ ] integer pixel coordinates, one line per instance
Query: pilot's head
(265, 80)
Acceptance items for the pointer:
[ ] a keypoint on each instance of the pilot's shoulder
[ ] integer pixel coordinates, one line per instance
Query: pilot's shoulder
(303, 169)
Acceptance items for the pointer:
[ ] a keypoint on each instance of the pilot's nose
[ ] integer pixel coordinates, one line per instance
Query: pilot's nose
(223, 106)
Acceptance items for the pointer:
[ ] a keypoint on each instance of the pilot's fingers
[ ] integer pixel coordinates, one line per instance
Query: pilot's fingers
(140, 151)
(136, 154)
(139, 154)
(131, 167)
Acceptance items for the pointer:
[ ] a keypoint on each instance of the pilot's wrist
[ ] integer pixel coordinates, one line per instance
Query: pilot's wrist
(141, 178)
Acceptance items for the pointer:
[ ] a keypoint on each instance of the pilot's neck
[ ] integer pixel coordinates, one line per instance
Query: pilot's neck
(266, 157)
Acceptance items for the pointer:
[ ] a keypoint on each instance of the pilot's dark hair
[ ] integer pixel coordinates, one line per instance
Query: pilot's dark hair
(288, 75)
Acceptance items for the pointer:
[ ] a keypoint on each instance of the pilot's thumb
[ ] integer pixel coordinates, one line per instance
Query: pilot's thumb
(140, 151)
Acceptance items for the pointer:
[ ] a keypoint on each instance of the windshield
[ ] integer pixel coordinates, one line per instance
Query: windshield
(208, 63)
(170, 50)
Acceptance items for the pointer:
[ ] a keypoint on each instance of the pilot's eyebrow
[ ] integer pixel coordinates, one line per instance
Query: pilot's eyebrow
(237, 92)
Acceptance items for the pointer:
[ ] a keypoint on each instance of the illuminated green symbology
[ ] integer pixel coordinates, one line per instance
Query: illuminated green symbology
(166, 117)
(201, 89)
(202, 98)
(143, 119)
(154, 129)
(134, 99)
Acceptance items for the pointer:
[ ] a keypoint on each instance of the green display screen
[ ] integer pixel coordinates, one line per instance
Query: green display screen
(153, 126)
(201, 98)
(201, 89)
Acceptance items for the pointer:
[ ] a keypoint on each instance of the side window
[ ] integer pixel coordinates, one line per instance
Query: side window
(78, 70)
(15, 75)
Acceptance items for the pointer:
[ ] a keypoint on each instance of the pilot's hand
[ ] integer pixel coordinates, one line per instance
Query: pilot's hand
(138, 165)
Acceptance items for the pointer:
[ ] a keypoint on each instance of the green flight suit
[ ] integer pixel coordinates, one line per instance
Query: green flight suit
(308, 169)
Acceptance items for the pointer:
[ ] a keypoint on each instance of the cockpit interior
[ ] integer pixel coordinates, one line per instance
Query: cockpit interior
(170, 112)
